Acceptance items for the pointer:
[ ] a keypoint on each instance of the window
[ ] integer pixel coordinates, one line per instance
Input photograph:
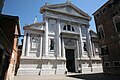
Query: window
(97, 15)
(64, 28)
(101, 33)
(104, 10)
(68, 28)
(117, 24)
(100, 12)
(51, 44)
(110, 5)
(116, 63)
(73, 29)
(85, 47)
(107, 64)
(104, 50)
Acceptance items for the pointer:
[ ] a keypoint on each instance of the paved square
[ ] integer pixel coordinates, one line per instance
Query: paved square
(71, 76)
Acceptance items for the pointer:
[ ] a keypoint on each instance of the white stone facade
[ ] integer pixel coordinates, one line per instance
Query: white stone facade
(59, 44)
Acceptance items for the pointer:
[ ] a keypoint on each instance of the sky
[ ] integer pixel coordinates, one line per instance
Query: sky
(27, 10)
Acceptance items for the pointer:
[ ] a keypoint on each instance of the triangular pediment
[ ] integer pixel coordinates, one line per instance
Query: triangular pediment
(67, 8)
(35, 26)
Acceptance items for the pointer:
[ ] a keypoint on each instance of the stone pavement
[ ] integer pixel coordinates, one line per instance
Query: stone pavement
(45, 77)
(71, 76)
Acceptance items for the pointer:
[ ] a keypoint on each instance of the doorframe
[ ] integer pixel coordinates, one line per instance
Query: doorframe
(75, 52)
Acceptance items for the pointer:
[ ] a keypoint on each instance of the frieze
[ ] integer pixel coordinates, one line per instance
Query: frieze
(65, 17)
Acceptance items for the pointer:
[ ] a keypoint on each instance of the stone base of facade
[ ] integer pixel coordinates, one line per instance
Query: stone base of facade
(36, 66)
(40, 72)
(41, 67)
(94, 66)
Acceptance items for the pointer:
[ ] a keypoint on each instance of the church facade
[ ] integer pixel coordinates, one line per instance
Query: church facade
(59, 44)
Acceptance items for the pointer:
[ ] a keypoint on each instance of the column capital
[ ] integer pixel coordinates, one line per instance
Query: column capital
(46, 18)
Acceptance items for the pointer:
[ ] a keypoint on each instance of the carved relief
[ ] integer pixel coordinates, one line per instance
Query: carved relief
(70, 42)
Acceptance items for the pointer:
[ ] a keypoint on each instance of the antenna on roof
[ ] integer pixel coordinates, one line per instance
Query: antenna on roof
(35, 20)
(68, 1)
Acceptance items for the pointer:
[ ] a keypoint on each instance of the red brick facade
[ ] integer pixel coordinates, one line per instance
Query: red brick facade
(9, 36)
(109, 37)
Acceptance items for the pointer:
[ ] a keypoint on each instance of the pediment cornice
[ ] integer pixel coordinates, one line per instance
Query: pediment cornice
(55, 6)
(35, 26)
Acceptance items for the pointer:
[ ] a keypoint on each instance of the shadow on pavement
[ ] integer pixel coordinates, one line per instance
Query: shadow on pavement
(95, 76)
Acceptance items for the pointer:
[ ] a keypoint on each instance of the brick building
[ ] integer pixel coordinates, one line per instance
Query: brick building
(107, 19)
(1, 5)
(9, 34)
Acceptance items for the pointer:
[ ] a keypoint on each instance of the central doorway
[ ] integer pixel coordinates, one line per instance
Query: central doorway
(70, 60)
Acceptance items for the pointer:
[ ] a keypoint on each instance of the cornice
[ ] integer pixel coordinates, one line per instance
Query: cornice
(87, 18)
(49, 7)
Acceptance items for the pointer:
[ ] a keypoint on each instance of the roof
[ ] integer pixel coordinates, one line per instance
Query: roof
(8, 26)
(32, 26)
(13, 19)
(101, 7)
(52, 6)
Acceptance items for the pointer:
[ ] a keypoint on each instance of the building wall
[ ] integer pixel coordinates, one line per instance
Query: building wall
(111, 36)
(57, 31)
(9, 32)
(1, 5)
(53, 62)
(13, 61)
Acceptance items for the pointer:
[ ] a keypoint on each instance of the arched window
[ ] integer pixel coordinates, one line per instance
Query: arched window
(85, 46)
(68, 28)
(117, 23)
(64, 28)
(104, 50)
(101, 34)
(73, 29)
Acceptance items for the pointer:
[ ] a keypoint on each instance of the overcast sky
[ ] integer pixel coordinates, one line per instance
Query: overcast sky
(28, 9)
